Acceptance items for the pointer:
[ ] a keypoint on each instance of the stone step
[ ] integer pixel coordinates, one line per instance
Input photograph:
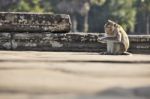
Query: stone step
(83, 42)
(34, 22)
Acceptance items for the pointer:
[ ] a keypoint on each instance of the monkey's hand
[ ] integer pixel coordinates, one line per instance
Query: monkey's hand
(102, 39)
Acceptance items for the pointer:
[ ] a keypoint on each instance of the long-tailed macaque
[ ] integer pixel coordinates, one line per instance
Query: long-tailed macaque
(116, 39)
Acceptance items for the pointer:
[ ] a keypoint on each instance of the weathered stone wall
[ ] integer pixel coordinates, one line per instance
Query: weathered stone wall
(34, 22)
(54, 42)
(66, 42)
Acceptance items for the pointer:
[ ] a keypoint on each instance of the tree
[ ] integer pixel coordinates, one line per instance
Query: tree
(123, 12)
(74, 8)
(143, 16)
(6, 5)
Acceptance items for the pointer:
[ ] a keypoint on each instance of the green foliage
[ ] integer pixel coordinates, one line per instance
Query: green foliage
(29, 6)
(122, 11)
(98, 2)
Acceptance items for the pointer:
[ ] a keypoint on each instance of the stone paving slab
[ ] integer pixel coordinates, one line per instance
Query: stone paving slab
(73, 75)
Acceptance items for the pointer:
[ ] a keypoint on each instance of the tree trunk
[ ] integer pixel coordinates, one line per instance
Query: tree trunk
(86, 23)
(74, 23)
(147, 25)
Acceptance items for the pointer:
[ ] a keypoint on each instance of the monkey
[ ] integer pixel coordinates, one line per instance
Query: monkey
(116, 38)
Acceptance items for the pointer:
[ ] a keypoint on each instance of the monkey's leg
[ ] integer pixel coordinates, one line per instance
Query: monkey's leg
(110, 47)
(119, 49)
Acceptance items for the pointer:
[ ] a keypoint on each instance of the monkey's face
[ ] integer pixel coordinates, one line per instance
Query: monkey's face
(109, 27)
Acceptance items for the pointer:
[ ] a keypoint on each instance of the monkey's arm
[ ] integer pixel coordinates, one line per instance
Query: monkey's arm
(116, 37)
(109, 38)
(102, 40)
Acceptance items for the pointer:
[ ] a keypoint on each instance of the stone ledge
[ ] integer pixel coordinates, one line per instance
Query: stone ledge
(34, 22)
(83, 42)
(57, 42)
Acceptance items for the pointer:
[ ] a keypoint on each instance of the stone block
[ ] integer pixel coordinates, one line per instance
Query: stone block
(34, 22)
(139, 43)
(5, 41)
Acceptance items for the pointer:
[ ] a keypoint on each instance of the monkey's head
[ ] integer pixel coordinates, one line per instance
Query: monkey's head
(110, 27)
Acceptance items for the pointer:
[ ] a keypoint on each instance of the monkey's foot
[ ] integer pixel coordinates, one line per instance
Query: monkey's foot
(126, 53)
(105, 53)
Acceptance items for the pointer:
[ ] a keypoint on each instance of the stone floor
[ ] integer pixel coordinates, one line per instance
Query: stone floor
(73, 75)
